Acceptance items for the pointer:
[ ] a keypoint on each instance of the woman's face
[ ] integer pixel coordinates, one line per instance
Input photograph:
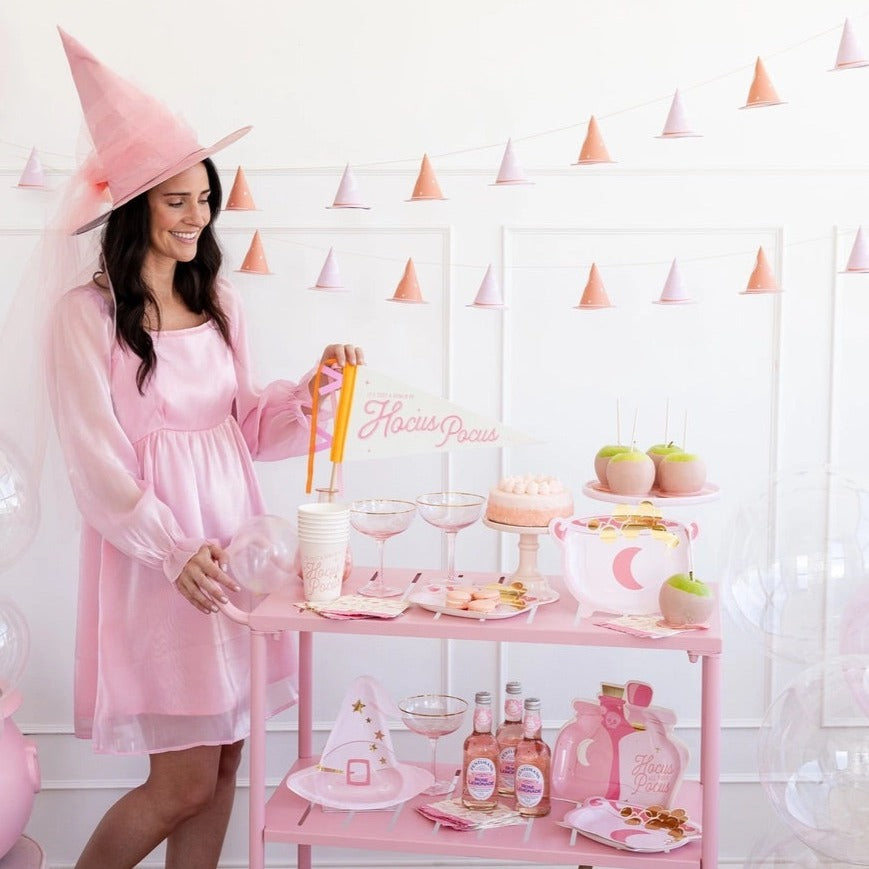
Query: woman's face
(179, 212)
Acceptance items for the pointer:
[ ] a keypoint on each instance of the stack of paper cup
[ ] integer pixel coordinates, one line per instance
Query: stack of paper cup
(324, 534)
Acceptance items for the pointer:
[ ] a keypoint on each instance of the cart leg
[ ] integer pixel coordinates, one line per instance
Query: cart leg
(710, 758)
(306, 720)
(257, 795)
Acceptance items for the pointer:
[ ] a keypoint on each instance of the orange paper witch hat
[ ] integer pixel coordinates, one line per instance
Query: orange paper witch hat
(674, 292)
(330, 277)
(762, 279)
(489, 294)
(851, 54)
(510, 172)
(32, 176)
(858, 261)
(761, 93)
(408, 287)
(593, 149)
(347, 195)
(239, 197)
(426, 186)
(255, 260)
(676, 126)
(594, 295)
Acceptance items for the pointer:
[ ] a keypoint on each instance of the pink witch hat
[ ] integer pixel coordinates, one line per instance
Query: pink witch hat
(594, 295)
(408, 287)
(489, 294)
(240, 198)
(674, 292)
(858, 261)
(593, 149)
(347, 195)
(33, 175)
(510, 172)
(676, 126)
(426, 186)
(762, 92)
(138, 142)
(850, 54)
(762, 279)
(330, 277)
(255, 259)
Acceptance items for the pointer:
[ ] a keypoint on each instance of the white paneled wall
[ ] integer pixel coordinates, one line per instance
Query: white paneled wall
(765, 381)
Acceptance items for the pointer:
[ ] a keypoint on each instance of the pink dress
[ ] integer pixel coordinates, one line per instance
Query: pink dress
(155, 476)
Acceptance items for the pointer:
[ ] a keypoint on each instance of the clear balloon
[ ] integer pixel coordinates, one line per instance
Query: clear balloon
(778, 849)
(14, 646)
(796, 560)
(814, 758)
(19, 505)
(262, 554)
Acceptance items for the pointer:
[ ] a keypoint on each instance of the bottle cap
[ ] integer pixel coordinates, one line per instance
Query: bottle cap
(532, 704)
(514, 688)
(483, 698)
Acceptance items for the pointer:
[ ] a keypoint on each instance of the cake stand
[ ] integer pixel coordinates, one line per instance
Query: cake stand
(527, 572)
(593, 489)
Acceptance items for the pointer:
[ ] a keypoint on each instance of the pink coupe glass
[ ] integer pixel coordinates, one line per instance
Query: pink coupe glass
(450, 511)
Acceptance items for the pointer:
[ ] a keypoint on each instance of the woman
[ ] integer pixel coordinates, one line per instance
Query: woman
(159, 420)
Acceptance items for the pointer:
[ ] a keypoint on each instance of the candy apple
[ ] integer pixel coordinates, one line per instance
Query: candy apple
(681, 473)
(601, 460)
(656, 452)
(630, 472)
(685, 600)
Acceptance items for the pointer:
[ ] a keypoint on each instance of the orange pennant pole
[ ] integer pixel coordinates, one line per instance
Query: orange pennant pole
(342, 415)
(312, 439)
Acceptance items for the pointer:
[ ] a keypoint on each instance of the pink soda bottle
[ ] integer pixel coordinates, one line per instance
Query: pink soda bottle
(533, 763)
(508, 734)
(480, 759)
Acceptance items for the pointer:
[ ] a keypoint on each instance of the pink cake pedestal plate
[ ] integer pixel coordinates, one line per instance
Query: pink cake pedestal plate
(527, 572)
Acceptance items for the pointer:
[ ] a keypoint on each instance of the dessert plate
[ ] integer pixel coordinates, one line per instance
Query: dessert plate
(593, 489)
(632, 828)
(435, 602)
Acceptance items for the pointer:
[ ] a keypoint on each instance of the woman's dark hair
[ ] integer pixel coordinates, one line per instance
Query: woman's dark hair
(125, 242)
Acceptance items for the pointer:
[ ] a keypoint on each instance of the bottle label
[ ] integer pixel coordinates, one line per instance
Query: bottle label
(481, 777)
(507, 766)
(532, 724)
(529, 785)
(482, 719)
(513, 709)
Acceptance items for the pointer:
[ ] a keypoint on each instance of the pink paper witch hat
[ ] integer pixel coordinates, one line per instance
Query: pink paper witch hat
(358, 768)
(408, 287)
(593, 149)
(32, 176)
(240, 198)
(426, 186)
(330, 277)
(138, 142)
(676, 126)
(594, 295)
(489, 294)
(674, 292)
(511, 172)
(255, 259)
(347, 195)
(851, 54)
(762, 279)
(761, 93)
(858, 261)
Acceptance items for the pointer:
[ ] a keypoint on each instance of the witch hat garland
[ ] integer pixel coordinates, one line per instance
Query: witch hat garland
(330, 277)
(255, 259)
(593, 149)
(762, 280)
(240, 198)
(762, 93)
(674, 292)
(594, 295)
(426, 186)
(489, 294)
(347, 195)
(33, 174)
(408, 287)
(676, 126)
(510, 172)
(139, 142)
(858, 261)
(851, 54)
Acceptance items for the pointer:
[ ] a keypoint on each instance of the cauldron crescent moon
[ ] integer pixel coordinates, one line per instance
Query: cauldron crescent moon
(622, 568)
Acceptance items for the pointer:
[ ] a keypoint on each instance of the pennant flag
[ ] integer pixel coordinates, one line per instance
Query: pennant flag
(489, 294)
(676, 126)
(593, 149)
(510, 172)
(851, 54)
(240, 198)
(330, 277)
(594, 295)
(762, 92)
(255, 259)
(762, 279)
(858, 261)
(408, 290)
(33, 174)
(674, 292)
(426, 186)
(347, 195)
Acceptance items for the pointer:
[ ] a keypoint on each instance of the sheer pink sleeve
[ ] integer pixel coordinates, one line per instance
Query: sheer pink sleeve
(272, 419)
(101, 461)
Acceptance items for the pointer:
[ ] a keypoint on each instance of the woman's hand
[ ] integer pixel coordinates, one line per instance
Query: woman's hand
(343, 354)
(203, 581)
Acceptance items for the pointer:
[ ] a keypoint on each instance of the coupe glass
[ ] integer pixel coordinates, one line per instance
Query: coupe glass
(450, 511)
(434, 716)
(380, 518)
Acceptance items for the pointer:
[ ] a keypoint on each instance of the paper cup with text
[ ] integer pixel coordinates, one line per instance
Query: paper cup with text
(324, 535)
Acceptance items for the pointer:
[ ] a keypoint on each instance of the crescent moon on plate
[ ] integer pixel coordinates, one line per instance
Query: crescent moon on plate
(622, 568)
(582, 752)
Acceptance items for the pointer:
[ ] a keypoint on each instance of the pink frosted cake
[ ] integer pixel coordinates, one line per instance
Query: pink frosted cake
(531, 500)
